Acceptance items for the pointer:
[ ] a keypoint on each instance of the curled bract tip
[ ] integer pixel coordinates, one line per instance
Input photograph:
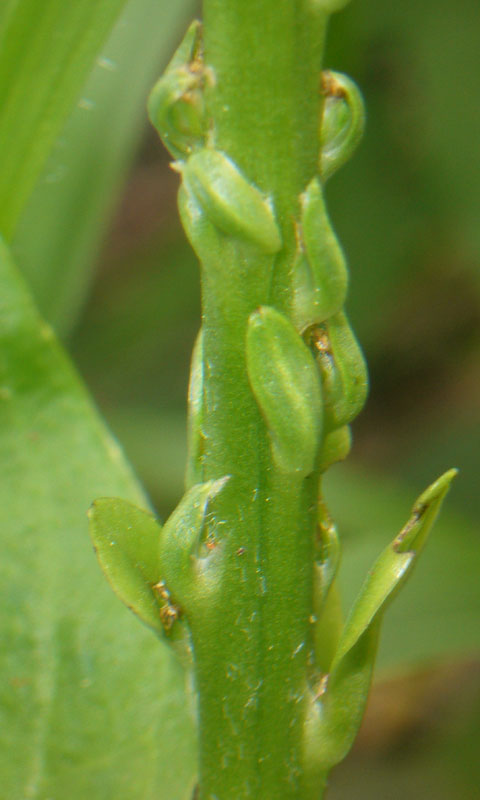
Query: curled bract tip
(438, 489)
(176, 104)
(424, 511)
(343, 121)
(180, 542)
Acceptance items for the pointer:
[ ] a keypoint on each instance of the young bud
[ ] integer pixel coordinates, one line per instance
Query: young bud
(286, 385)
(180, 543)
(176, 105)
(343, 122)
(343, 370)
(320, 274)
(231, 202)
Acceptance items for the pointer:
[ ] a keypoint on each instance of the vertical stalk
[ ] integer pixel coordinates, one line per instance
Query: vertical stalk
(265, 102)
(246, 569)
(263, 106)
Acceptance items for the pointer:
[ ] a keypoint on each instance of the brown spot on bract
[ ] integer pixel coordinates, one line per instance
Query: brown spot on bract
(331, 86)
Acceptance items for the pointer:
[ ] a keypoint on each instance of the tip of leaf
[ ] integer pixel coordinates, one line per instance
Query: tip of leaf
(438, 489)
(424, 512)
(96, 505)
(217, 486)
(206, 492)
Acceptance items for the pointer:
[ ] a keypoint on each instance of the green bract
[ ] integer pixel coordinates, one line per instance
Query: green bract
(320, 273)
(176, 105)
(343, 370)
(126, 542)
(344, 693)
(184, 564)
(230, 201)
(287, 388)
(343, 122)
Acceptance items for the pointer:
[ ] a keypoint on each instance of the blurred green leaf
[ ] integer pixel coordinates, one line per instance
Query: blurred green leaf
(437, 612)
(90, 704)
(135, 340)
(155, 441)
(46, 51)
(420, 739)
(457, 438)
(58, 237)
(408, 203)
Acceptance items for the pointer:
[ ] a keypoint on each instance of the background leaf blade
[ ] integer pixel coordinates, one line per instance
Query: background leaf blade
(59, 233)
(46, 52)
(90, 702)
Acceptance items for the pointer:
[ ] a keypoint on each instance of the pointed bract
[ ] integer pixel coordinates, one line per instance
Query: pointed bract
(179, 546)
(320, 275)
(341, 705)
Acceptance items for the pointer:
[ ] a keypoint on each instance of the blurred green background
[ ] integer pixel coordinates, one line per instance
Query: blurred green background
(103, 249)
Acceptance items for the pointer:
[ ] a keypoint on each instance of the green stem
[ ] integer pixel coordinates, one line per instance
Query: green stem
(253, 644)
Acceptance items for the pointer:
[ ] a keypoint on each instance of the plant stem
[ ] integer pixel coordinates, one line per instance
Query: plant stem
(252, 646)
